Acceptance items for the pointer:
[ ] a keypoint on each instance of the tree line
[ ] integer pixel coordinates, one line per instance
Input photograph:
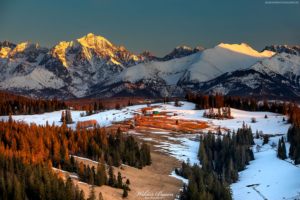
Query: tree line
(17, 105)
(204, 101)
(221, 159)
(293, 136)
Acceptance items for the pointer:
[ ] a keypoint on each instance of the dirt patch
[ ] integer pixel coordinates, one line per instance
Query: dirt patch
(154, 178)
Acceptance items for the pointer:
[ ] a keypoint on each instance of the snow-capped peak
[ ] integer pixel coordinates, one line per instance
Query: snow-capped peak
(92, 41)
(183, 48)
(23, 49)
(245, 49)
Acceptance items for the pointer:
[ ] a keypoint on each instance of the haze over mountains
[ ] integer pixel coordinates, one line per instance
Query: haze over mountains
(93, 67)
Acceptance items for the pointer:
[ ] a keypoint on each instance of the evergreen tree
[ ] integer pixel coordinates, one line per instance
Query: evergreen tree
(10, 120)
(100, 196)
(17, 189)
(119, 184)
(279, 149)
(125, 193)
(62, 116)
(92, 193)
(283, 154)
(111, 179)
(101, 106)
(95, 107)
(82, 195)
(266, 139)
(69, 189)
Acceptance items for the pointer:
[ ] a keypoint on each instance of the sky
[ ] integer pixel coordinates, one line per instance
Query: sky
(157, 26)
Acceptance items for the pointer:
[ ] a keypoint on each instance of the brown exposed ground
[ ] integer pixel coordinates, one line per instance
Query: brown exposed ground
(154, 178)
(164, 120)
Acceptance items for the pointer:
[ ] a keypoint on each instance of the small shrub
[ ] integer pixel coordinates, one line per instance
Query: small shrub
(266, 116)
(127, 182)
(273, 145)
(266, 139)
(253, 120)
(261, 134)
(118, 106)
(283, 119)
(131, 126)
(258, 148)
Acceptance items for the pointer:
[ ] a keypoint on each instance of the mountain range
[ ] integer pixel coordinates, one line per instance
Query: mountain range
(93, 67)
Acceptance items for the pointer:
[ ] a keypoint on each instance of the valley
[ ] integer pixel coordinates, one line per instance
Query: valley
(170, 147)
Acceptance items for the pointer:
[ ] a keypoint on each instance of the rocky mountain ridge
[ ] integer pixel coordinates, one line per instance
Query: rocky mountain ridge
(93, 67)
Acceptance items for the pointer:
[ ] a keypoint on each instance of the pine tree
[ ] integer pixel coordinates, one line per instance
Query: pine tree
(100, 196)
(284, 108)
(176, 103)
(41, 191)
(77, 193)
(62, 116)
(91, 177)
(111, 179)
(119, 184)
(192, 191)
(128, 182)
(17, 189)
(125, 193)
(10, 120)
(95, 107)
(101, 107)
(69, 189)
(266, 139)
(283, 156)
(82, 196)
(92, 193)
(118, 106)
(256, 134)
(279, 149)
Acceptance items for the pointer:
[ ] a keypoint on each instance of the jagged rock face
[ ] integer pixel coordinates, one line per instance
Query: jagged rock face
(7, 44)
(93, 67)
(146, 56)
(283, 49)
(249, 81)
(180, 52)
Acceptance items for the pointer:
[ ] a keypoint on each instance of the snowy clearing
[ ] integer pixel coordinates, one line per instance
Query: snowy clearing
(266, 177)
(275, 178)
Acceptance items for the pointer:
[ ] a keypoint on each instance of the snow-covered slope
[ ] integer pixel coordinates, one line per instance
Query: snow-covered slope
(285, 64)
(92, 66)
(199, 67)
(39, 78)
